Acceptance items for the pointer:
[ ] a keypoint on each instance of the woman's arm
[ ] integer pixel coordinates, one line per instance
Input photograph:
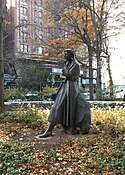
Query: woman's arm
(72, 72)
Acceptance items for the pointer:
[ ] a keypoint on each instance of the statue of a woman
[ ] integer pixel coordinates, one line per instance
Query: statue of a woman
(70, 109)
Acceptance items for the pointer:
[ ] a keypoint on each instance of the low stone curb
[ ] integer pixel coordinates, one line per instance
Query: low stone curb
(47, 104)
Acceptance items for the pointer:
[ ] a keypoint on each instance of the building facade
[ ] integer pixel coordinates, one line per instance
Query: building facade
(23, 35)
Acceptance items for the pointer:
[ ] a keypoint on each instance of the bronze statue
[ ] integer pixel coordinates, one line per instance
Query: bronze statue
(70, 109)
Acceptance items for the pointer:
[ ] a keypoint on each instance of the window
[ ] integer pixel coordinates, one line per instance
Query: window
(23, 35)
(25, 1)
(41, 3)
(40, 14)
(23, 10)
(24, 22)
(24, 48)
(66, 34)
(40, 50)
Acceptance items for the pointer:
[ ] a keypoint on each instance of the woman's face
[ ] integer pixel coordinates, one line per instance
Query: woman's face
(67, 55)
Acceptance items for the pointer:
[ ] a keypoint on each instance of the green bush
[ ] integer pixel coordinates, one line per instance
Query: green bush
(16, 93)
(49, 92)
(30, 116)
(109, 120)
(35, 78)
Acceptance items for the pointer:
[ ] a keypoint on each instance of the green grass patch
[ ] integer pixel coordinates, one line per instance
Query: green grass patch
(15, 159)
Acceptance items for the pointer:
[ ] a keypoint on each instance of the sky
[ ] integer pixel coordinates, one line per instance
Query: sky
(117, 45)
(118, 59)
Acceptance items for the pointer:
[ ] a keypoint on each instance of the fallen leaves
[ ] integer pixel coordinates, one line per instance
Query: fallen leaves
(95, 154)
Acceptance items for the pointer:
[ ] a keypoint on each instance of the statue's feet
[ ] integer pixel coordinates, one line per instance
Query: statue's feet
(45, 135)
(65, 129)
(73, 131)
(85, 131)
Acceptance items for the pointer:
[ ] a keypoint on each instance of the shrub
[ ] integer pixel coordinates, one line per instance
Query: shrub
(35, 78)
(30, 116)
(110, 120)
(16, 93)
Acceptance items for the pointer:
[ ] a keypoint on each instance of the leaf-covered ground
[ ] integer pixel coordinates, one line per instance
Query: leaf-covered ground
(101, 152)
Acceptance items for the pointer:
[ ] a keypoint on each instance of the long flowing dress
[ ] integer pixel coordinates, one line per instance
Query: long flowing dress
(70, 108)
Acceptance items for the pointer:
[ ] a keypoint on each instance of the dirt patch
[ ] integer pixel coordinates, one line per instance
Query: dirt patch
(59, 137)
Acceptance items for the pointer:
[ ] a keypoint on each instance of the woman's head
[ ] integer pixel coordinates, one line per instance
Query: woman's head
(69, 54)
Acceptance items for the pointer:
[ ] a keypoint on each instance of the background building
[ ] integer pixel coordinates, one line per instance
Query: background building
(23, 35)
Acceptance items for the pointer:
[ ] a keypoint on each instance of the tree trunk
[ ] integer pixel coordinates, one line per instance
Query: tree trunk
(98, 79)
(90, 73)
(110, 78)
(1, 59)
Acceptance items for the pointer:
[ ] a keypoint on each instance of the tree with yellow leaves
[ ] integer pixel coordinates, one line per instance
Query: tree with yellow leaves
(84, 23)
